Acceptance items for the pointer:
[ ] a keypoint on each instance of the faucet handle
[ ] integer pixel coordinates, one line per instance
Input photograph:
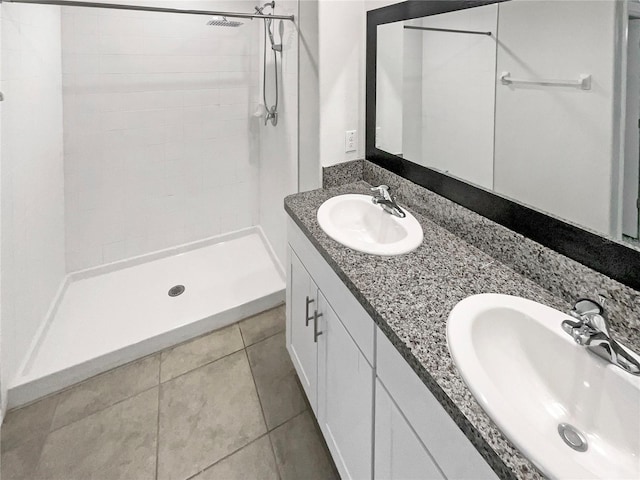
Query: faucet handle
(586, 306)
(383, 191)
(602, 298)
(591, 313)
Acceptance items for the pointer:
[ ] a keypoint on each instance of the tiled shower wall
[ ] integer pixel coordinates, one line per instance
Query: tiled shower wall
(161, 140)
(32, 243)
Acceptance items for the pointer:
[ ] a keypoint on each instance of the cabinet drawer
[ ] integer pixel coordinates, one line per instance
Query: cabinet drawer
(453, 452)
(354, 318)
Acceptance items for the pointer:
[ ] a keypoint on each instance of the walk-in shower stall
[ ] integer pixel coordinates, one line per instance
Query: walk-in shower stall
(146, 151)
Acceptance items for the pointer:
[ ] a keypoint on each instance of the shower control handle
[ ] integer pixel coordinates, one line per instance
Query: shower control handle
(306, 315)
(316, 333)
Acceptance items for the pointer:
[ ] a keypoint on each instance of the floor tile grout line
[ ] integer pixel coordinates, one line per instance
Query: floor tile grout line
(159, 353)
(51, 430)
(228, 455)
(158, 422)
(170, 349)
(273, 450)
(266, 433)
(105, 408)
(220, 358)
(158, 384)
(265, 338)
(46, 437)
(275, 458)
(57, 401)
(271, 440)
(200, 366)
(317, 430)
(255, 385)
(199, 337)
(264, 417)
(269, 430)
(290, 418)
(242, 335)
(82, 382)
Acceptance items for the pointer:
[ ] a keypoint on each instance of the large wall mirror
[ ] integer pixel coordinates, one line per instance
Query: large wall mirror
(526, 111)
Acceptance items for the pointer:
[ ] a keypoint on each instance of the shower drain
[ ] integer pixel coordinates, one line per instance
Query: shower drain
(177, 290)
(573, 437)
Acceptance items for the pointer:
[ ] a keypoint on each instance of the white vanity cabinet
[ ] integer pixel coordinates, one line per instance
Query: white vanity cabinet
(349, 370)
(399, 453)
(330, 340)
(345, 400)
(435, 431)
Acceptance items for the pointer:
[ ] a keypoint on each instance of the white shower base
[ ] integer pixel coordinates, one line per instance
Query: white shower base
(111, 315)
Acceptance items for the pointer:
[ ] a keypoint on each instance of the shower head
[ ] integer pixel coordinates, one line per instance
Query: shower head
(218, 21)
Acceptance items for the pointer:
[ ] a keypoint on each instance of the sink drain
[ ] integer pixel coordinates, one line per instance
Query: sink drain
(573, 437)
(177, 290)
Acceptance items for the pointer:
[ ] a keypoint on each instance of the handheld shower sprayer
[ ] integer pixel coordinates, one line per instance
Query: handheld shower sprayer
(271, 113)
(268, 22)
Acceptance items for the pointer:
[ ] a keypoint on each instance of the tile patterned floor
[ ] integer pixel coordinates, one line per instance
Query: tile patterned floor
(226, 405)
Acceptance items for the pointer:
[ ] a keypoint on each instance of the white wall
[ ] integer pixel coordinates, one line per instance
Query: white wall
(553, 147)
(341, 68)
(161, 144)
(279, 144)
(3, 381)
(341, 73)
(309, 174)
(32, 216)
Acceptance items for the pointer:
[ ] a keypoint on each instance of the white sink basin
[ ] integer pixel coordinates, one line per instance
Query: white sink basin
(530, 377)
(356, 222)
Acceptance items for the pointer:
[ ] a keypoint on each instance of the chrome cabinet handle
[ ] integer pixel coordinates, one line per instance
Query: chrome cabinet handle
(306, 314)
(316, 333)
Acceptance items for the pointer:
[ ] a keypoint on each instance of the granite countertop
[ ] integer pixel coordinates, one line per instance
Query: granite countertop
(410, 297)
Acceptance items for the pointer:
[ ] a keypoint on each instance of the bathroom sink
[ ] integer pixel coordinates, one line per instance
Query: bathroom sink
(538, 385)
(356, 222)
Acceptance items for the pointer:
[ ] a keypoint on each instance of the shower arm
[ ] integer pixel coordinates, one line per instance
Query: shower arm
(140, 8)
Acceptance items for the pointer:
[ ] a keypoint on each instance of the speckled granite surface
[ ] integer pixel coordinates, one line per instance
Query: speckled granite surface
(343, 173)
(412, 300)
(563, 277)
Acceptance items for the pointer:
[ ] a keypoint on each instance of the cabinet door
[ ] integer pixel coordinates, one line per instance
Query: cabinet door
(399, 453)
(345, 397)
(303, 302)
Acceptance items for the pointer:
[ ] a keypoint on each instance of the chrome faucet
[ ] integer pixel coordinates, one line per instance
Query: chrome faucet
(591, 330)
(386, 201)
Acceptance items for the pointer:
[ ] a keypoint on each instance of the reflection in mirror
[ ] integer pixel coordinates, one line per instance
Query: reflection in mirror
(445, 92)
(521, 98)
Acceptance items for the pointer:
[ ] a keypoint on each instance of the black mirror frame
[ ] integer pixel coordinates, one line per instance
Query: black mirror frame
(611, 258)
